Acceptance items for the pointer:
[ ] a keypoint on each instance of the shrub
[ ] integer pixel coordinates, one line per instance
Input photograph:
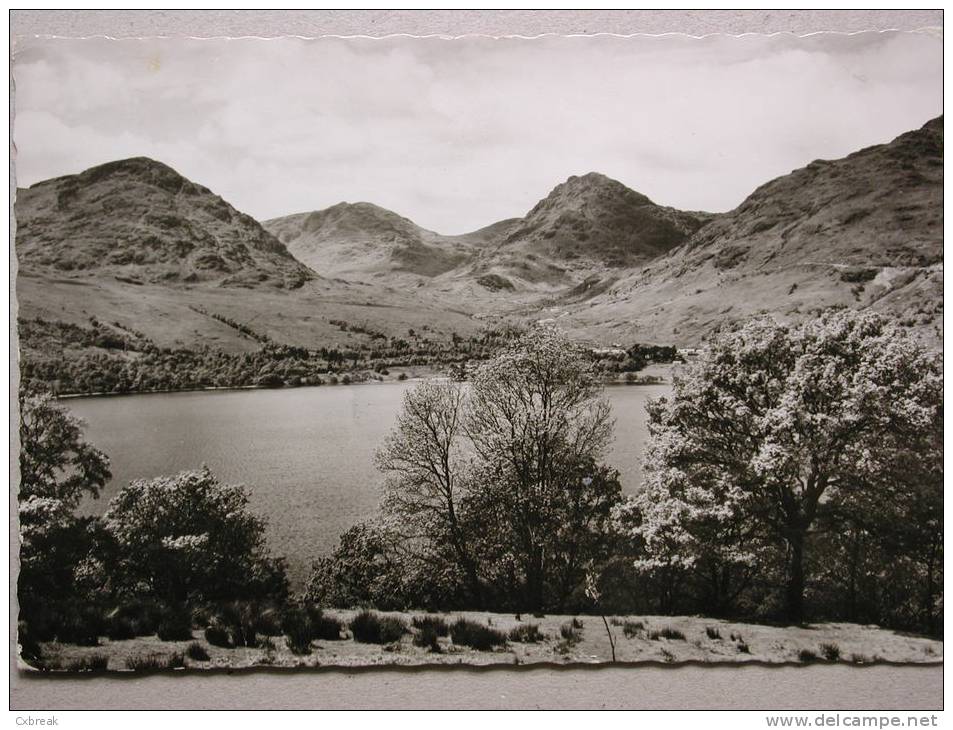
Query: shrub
(427, 638)
(668, 656)
(743, 647)
(30, 648)
(369, 628)
(136, 617)
(807, 656)
(712, 633)
(831, 652)
(570, 633)
(435, 623)
(218, 635)
(82, 627)
(475, 635)
(325, 628)
(577, 623)
(92, 663)
(176, 625)
(632, 628)
(196, 652)
(527, 634)
(296, 625)
(268, 622)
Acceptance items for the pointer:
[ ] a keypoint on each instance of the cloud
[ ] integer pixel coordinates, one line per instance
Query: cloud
(458, 134)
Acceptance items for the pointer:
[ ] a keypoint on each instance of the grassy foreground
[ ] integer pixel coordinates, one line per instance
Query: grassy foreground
(563, 640)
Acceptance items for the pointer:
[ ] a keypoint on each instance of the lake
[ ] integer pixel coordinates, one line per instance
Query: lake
(305, 454)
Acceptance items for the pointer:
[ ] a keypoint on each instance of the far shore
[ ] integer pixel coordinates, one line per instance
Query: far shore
(227, 388)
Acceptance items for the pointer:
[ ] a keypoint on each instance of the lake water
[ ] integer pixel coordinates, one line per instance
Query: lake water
(305, 454)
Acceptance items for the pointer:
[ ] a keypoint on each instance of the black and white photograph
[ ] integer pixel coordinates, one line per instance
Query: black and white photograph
(410, 351)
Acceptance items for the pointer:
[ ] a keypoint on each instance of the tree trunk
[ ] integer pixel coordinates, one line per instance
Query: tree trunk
(795, 587)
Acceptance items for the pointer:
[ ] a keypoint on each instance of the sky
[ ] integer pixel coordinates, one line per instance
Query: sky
(457, 134)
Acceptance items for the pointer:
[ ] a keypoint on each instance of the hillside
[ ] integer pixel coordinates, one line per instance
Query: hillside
(585, 223)
(133, 253)
(365, 241)
(862, 231)
(139, 219)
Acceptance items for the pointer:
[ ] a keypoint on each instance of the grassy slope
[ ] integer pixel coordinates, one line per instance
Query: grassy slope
(769, 644)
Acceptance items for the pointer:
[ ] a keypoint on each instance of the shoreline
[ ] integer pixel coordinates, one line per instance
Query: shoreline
(237, 388)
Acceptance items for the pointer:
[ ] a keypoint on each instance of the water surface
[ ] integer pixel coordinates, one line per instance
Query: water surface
(305, 454)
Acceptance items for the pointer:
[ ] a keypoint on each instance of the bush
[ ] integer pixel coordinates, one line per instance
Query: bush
(325, 628)
(297, 628)
(477, 636)
(196, 652)
(435, 623)
(427, 638)
(671, 634)
(527, 634)
(30, 648)
(82, 627)
(134, 618)
(632, 628)
(577, 623)
(743, 647)
(218, 635)
(369, 628)
(831, 652)
(268, 622)
(92, 663)
(176, 625)
(712, 632)
(570, 633)
(807, 656)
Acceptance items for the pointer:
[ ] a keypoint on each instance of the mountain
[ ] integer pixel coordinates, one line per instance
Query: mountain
(862, 231)
(140, 219)
(586, 222)
(362, 240)
(137, 247)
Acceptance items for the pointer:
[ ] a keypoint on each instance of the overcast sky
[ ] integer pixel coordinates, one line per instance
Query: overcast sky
(457, 134)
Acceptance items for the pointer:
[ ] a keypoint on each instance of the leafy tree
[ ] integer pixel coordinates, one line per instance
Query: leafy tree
(538, 424)
(189, 537)
(776, 423)
(55, 462)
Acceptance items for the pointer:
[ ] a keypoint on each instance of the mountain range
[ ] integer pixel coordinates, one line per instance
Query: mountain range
(134, 241)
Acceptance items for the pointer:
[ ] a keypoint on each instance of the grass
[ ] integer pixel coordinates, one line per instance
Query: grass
(632, 628)
(370, 628)
(831, 652)
(712, 633)
(526, 634)
(475, 635)
(570, 633)
(91, 663)
(155, 662)
(667, 633)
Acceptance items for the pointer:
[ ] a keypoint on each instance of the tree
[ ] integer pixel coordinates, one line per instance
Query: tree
(538, 425)
(494, 494)
(55, 462)
(189, 537)
(422, 460)
(779, 421)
